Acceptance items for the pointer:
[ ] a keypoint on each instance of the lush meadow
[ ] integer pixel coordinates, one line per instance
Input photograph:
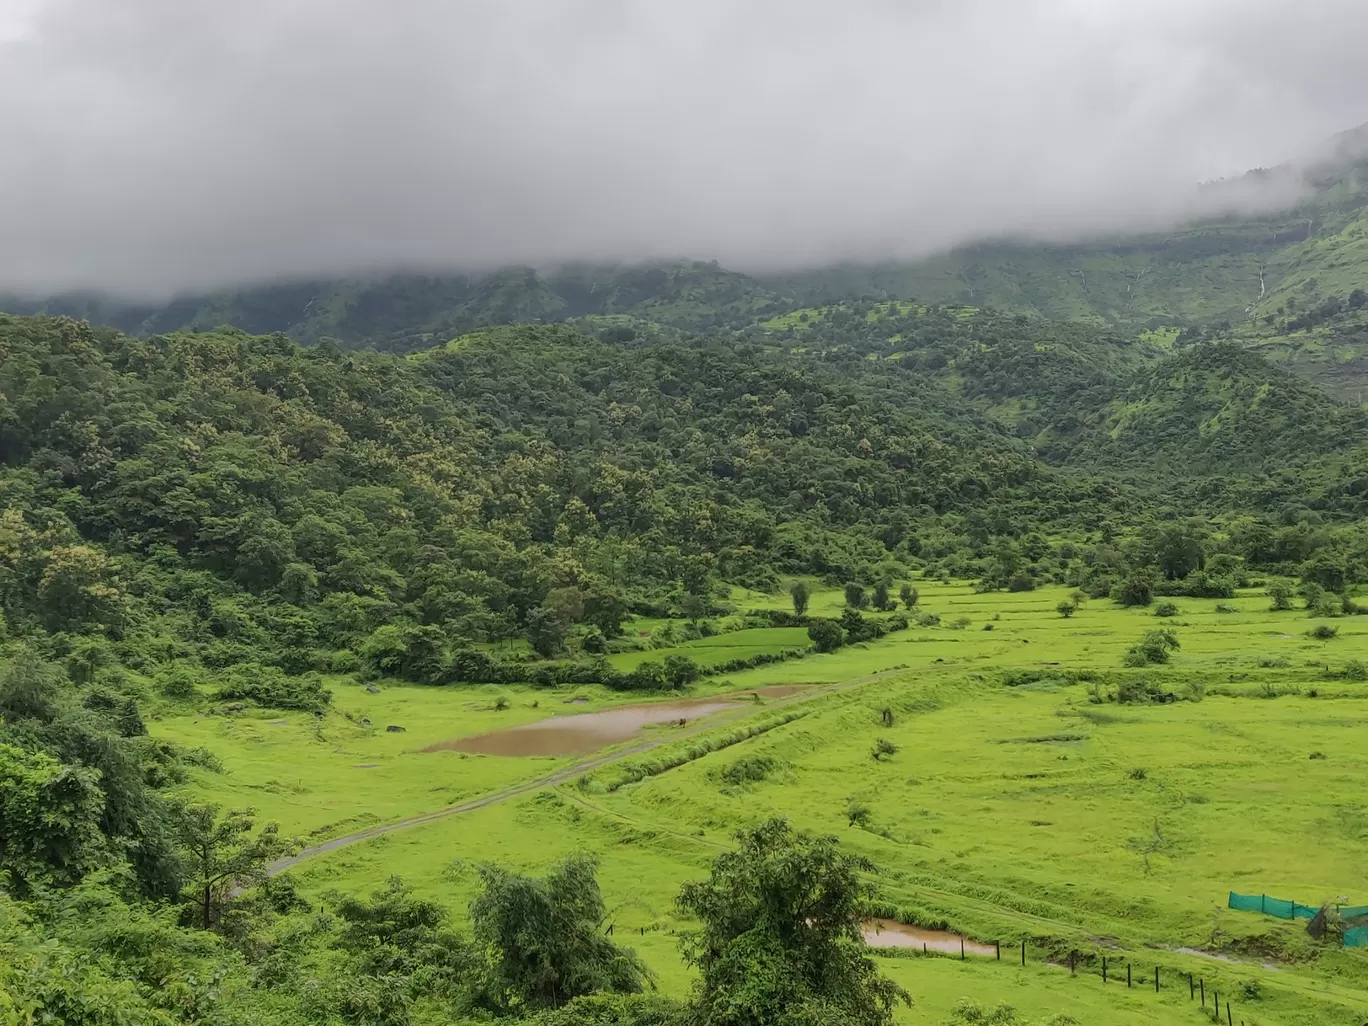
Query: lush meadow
(1029, 787)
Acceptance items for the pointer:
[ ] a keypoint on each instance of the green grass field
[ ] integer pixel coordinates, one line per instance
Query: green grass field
(721, 648)
(1007, 812)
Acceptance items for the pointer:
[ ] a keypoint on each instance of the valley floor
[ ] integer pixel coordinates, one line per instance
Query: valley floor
(1021, 801)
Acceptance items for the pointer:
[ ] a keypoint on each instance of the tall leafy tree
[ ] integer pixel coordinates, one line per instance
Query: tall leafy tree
(779, 937)
(544, 940)
(222, 856)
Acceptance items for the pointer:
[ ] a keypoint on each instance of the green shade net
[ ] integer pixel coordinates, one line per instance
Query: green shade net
(1272, 906)
(1354, 937)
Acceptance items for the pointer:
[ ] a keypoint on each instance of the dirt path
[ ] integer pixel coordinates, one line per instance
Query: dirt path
(560, 776)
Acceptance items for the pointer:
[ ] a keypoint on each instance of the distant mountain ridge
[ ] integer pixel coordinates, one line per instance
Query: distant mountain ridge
(411, 311)
(1258, 274)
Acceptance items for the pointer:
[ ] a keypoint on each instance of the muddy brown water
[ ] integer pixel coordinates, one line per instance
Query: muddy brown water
(886, 933)
(582, 733)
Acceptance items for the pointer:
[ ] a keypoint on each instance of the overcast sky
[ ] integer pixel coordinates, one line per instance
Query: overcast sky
(155, 146)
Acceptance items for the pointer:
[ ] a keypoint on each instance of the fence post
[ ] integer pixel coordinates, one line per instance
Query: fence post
(1023, 952)
(1202, 984)
(1104, 968)
(1216, 1003)
(1156, 979)
(1072, 956)
(1191, 988)
(1263, 902)
(998, 945)
(1128, 976)
(924, 951)
(961, 947)
(1229, 1019)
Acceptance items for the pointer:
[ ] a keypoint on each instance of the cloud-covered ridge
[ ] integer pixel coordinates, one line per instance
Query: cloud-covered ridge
(156, 146)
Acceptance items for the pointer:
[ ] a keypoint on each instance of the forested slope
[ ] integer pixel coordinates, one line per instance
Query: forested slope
(239, 497)
(233, 494)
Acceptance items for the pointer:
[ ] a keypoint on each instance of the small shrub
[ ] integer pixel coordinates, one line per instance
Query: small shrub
(1021, 582)
(960, 623)
(1354, 669)
(1066, 608)
(681, 671)
(826, 636)
(1322, 632)
(1326, 605)
(883, 748)
(1221, 607)
(500, 704)
(1143, 692)
(1135, 591)
(1155, 647)
(858, 815)
(177, 684)
(1138, 773)
(1316, 755)
(1165, 609)
(749, 770)
(925, 619)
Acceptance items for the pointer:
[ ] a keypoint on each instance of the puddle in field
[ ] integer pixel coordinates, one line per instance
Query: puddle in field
(886, 933)
(582, 733)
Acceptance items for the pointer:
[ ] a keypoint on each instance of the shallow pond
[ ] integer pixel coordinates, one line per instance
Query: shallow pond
(581, 733)
(886, 933)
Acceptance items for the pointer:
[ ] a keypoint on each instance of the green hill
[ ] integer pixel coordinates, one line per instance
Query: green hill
(1211, 410)
(403, 312)
(1236, 270)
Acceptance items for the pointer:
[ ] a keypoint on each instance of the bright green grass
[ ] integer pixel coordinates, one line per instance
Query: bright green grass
(1006, 812)
(1161, 337)
(721, 648)
(323, 778)
(326, 778)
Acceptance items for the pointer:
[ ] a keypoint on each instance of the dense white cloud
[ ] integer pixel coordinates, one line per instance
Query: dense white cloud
(152, 146)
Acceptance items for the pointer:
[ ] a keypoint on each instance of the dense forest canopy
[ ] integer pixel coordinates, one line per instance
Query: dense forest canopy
(231, 494)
